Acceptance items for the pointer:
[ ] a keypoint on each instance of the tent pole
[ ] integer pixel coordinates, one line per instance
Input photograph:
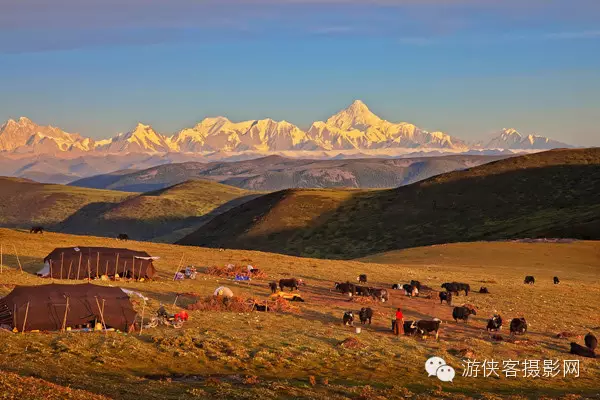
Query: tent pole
(65, 317)
(51, 276)
(179, 266)
(101, 312)
(79, 265)
(70, 265)
(62, 260)
(133, 267)
(142, 323)
(117, 266)
(18, 261)
(15, 316)
(97, 263)
(25, 320)
(89, 271)
(106, 269)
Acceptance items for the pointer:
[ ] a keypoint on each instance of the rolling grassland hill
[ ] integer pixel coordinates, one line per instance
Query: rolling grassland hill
(549, 194)
(163, 215)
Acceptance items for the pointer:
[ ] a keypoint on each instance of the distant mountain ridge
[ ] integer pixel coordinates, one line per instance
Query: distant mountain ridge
(277, 173)
(354, 128)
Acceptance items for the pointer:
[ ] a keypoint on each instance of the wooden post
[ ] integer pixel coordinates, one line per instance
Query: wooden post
(89, 270)
(15, 315)
(97, 263)
(62, 260)
(117, 265)
(106, 269)
(101, 312)
(79, 265)
(70, 265)
(18, 261)
(25, 320)
(141, 266)
(124, 267)
(175, 302)
(65, 317)
(142, 323)
(133, 267)
(179, 266)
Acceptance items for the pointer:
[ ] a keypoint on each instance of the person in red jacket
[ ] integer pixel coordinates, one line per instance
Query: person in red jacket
(399, 325)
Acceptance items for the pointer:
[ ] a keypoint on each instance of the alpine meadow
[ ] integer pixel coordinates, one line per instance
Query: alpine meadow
(328, 200)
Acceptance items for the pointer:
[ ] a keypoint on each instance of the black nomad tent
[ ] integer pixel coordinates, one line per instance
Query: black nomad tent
(94, 262)
(54, 307)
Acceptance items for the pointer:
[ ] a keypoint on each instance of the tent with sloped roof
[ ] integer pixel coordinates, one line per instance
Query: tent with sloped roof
(44, 307)
(94, 262)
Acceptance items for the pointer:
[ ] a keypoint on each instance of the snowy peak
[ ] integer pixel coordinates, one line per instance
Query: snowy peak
(511, 139)
(142, 139)
(353, 128)
(356, 116)
(25, 136)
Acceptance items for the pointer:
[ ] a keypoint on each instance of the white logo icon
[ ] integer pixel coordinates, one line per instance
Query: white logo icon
(445, 373)
(433, 364)
(436, 366)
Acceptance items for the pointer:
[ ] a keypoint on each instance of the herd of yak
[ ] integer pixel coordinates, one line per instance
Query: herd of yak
(518, 326)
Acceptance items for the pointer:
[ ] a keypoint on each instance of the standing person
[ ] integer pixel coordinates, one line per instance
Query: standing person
(399, 325)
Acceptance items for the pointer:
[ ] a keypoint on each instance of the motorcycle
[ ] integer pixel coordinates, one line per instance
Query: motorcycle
(165, 319)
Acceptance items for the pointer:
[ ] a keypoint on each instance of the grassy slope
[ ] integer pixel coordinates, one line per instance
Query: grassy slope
(282, 351)
(164, 215)
(24, 203)
(550, 194)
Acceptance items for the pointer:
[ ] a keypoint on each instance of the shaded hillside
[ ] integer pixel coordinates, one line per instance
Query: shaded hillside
(277, 173)
(24, 203)
(165, 215)
(550, 194)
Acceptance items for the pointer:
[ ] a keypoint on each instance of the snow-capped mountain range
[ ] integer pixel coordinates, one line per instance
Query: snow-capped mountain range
(354, 128)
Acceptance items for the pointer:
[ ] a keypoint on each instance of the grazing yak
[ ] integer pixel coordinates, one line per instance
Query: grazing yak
(348, 318)
(362, 278)
(410, 290)
(425, 326)
(273, 287)
(456, 287)
(484, 290)
(580, 350)
(410, 328)
(362, 290)
(495, 323)
(123, 236)
(396, 286)
(380, 294)
(518, 326)
(291, 283)
(36, 229)
(529, 280)
(447, 297)
(345, 288)
(590, 341)
(462, 313)
(416, 284)
(365, 315)
(556, 280)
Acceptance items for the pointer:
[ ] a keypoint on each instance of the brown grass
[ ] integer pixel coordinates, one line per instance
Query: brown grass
(283, 349)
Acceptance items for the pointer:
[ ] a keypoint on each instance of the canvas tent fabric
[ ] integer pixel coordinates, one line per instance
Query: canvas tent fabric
(93, 262)
(45, 307)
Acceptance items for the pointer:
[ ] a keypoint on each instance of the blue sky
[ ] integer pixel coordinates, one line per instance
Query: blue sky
(466, 67)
